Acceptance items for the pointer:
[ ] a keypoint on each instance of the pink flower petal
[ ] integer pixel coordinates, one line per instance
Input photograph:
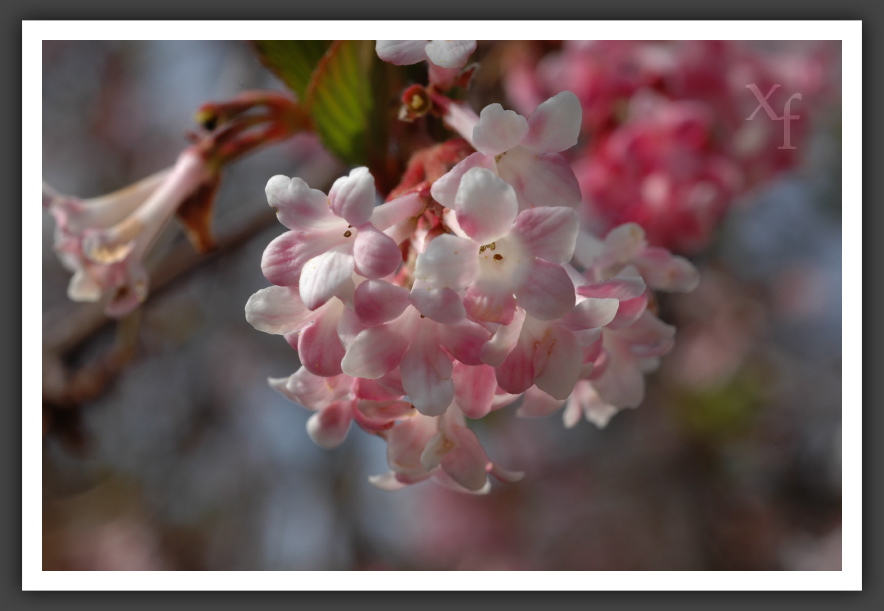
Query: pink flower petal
(591, 313)
(628, 312)
(490, 303)
(486, 205)
(516, 374)
(505, 475)
(297, 205)
(503, 341)
(444, 190)
(323, 274)
(426, 377)
(474, 389)
(538, 404)
(277, 310)
(466, 463)
(406, 442)
(312, 391)
(375, 254)
(448, 261)
(401, 52)
(498, 130)
(375, 351)
(667, 272)
(328, 427)
(397, 210)
(540, 180)
(548, 233)
(285, 256)
(623, 288)
(374, 416)
(554, 125)
(465, 341)
(623, 383)
(450, 53)
(442, 305)
(557, 363)
(377, 302)
(353, 197)
(548, 292)
(319, 347)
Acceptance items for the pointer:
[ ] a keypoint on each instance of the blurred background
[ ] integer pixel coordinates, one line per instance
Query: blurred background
(165, 449)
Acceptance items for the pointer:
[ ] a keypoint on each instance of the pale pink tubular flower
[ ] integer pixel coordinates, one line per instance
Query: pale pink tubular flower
(104, 240)
(502, 256)
(332, 237)
(524, 152)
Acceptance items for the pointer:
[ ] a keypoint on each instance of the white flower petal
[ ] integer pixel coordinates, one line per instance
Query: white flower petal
(444, 189)
(448, 261)
(548, 233)
(297, 205)
(450, 53)
(498, 130)
(401, 52)
(353, 197)
(277, 310)
(540, 180)
(554, 125)
(486, 205)
(322, 275)
(548, 292)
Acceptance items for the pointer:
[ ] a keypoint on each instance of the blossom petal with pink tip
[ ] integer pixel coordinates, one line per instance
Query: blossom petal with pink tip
(319, 347)
(450, 53)
(285, 256)
(444, 190)
(353, 197)
(548, 233)
(328, 427)
(401, 52)
(503, 341)
(277, 310)
(322, 275)
(557, 363)
(498, 130)
(591, 313)
(474, 388)
(375, 351)
(548, 292)
(538, 404)
(397, 210)
(490, 303)
(516, 374)
(540, 180)
(667, 272)
(465, 341)
(467, 462)
(377, 302)
(554, 125)
(375, 255)
(486, 205)
(297, 205)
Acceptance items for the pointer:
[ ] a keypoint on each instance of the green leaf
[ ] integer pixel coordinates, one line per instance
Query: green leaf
(293, 61)
(342, 102)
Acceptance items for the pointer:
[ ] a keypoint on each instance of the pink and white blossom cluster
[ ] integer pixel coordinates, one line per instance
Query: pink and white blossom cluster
(415, 316)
